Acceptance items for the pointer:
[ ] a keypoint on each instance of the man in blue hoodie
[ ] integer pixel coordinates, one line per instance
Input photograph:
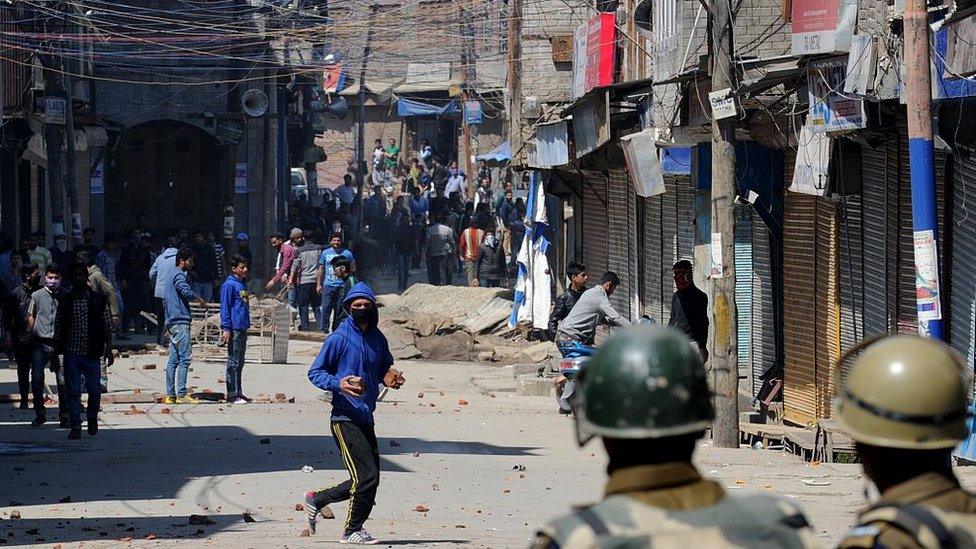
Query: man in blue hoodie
(162, 270)
(235, 320)
(353, 363)
(176, 301)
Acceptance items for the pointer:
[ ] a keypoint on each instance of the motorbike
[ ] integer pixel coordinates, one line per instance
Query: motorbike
(574, 356)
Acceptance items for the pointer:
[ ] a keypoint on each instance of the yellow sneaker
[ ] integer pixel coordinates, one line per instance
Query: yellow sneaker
(169, 400)
(187, 400)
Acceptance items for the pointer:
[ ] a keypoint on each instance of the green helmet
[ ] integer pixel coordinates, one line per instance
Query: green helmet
(906, 392)
(644, 382)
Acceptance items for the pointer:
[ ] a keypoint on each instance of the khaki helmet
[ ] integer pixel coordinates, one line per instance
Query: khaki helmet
(906, 392)
(644, 382)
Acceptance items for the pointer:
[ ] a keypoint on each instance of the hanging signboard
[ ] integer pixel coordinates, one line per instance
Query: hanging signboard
(473, 113)
(240, 178)
(333, 79)
(822, 26)
(723, 104)
(811, 171)
(54, 110)
(594, 55)
(643, 165)
(96, 184)
(830, 109)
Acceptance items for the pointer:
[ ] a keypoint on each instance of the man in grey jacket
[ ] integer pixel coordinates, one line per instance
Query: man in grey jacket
(162, 271)
(592, 309)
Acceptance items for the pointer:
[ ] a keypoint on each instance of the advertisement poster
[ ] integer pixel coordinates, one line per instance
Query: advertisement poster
(830, 110)
(473, 113)
(717, 266)
(333, 79)
(927, 276)
(97, 182)
(240, 178)
(579, 61)
(822, 26)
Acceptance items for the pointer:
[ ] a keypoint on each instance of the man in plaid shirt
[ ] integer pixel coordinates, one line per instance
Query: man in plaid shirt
(83, 333)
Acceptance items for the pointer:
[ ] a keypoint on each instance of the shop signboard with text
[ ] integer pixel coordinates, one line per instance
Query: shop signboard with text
(823, 26)
(594, 53)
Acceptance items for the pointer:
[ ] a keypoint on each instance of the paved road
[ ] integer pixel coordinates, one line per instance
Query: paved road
(145, 473)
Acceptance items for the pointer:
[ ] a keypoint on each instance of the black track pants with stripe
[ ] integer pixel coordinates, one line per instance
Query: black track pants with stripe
(360, 452)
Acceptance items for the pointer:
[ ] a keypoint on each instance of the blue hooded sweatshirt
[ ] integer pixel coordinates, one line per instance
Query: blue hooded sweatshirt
(235, 313)
(350, 352)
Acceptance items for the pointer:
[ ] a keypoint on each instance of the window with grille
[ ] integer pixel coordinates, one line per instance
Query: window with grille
(666, 21)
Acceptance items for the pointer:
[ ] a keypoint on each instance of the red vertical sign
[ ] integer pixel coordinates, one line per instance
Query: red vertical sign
(601, 50)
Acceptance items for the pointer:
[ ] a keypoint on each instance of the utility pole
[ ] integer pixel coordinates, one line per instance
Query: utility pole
(465, 127)
(71, 173)
(361, 141)
(723, 359)
(515, 79)
(921, 154)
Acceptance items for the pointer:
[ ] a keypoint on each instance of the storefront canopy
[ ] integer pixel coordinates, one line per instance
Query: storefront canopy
(408, 107)
(501, 153)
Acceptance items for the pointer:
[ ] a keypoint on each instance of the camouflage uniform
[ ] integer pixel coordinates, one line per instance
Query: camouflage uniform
(890, 522)
(671, 505)
(906, 396)
(648, 385)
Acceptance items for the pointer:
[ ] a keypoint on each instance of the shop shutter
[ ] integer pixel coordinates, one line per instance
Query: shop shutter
(620, 241)
(799, 307)
(962, 328)
(827, 303)
(878, 260)
(811, 341)
(685, 195)
(744, 290)
(595, 227)
(763, 317)
(669, 243)
(851, 277)
(651, 294)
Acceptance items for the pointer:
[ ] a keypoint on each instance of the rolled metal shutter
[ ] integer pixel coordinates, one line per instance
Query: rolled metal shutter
(685, 196)
(907, 318)
(620, 241)
(763, 317)
(827, 304)
(811, 312)
(799, 307)
(744, 290)
(851, 277)
(652, 290)
(669, 242)
(595, 226)
(962, 328)
(878, 261)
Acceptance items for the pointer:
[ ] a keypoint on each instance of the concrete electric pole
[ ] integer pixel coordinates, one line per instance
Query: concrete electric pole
(921, 154)
(515, 80)
(723, 356)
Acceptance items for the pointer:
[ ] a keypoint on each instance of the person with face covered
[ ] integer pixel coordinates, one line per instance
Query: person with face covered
(21, 338)
(43, 314)
(689, 308)
(352, 365)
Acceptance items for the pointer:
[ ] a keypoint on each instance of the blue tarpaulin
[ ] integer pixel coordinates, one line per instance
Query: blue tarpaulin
(407, 107)
(676, 160)
(501, 153)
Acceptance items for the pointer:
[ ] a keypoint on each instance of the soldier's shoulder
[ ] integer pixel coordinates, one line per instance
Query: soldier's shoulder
(910, 526)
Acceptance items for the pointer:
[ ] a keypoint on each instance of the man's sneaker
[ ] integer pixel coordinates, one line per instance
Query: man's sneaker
(74, 434)
(24, 405)
(169, 400)
(241, 400)
(187, 400)
(311, 510)
(38, 421)
(93, 427)
(359, 537)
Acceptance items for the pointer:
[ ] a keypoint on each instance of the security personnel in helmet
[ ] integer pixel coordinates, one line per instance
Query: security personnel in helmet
(904, 403)
(645, 394)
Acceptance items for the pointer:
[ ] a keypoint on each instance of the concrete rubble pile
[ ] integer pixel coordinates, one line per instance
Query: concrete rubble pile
(452, 323)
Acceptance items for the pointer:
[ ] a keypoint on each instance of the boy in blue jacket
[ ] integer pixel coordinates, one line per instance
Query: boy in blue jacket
(353, 363)
(235, 320)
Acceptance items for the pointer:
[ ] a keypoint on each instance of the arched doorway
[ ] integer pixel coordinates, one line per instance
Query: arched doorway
(165, 174)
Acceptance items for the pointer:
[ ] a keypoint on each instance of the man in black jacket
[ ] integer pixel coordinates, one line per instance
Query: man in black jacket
(576, 273)
(83, 333)
(689, 307)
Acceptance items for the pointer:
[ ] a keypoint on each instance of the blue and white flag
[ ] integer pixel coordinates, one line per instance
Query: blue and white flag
(532, 290)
